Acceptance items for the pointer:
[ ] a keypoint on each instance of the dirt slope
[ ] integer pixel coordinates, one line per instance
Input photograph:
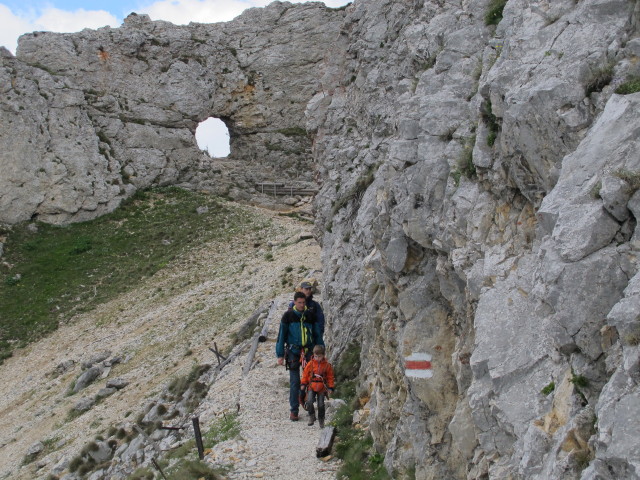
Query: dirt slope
(160, 329)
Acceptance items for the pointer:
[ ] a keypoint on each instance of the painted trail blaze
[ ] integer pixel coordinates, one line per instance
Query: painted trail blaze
(418, 365)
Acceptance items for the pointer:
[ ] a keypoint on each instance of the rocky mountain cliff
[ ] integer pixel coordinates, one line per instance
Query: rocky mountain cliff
(477, 211)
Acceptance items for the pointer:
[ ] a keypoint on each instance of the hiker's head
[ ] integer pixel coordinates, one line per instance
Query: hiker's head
(308, 286)
(318, 352)
(299, 301)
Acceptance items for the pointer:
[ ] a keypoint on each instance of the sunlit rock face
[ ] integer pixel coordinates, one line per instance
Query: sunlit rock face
(89, 118)
(477, 206)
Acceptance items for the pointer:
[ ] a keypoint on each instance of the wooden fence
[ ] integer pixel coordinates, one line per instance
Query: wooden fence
(282, 189)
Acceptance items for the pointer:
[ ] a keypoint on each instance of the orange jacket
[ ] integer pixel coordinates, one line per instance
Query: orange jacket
(318, 374)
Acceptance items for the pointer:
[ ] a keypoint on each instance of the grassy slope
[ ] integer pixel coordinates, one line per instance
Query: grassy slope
(60, 271)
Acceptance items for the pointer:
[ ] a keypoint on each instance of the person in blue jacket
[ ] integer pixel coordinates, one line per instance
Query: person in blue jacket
(298, 334)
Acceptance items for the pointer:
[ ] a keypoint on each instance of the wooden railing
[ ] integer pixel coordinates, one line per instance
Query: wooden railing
(283, 189)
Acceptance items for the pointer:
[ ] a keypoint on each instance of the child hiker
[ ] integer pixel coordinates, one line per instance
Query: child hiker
(318, 377)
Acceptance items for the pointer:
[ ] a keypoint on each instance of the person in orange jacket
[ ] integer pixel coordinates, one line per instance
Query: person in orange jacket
(319, 380)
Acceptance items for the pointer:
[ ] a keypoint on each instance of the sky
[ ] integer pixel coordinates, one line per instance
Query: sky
(23, 16)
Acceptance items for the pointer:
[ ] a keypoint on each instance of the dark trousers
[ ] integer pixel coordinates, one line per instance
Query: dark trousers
(311, 398)
(293, 362)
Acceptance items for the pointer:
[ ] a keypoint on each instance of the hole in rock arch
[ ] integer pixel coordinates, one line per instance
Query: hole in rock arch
(212, 136)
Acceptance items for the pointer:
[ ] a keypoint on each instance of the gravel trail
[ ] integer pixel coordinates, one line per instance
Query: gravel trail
(270, 445)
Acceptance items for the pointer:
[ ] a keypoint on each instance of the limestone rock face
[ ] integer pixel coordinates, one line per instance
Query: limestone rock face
(478, 203)
(478, 209)
(89, 118)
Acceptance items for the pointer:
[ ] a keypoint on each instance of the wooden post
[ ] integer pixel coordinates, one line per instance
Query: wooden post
(198, 435)
(325, 442)
(265, 326)
(218, 354)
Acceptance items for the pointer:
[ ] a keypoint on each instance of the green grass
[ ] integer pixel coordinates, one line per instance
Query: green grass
(493, 15)
(579, 381)
(49, 445)
(548, 389)
(63, 270)
(632, 85)
(464, 163)
(353, 446)
(492, 125)
(222, 429)
(192, 469)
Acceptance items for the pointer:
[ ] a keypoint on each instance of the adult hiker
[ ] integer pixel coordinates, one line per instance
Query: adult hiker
(308, 286)
(297, 336)
(318, 379)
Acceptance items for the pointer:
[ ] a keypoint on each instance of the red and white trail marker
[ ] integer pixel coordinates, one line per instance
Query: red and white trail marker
(418, 365)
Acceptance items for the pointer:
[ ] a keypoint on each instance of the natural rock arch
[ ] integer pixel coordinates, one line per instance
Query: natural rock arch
(92, 117)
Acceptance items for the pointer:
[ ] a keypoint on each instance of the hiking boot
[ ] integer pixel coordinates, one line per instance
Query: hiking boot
(293, 416)
(321, 422)
(312, 420)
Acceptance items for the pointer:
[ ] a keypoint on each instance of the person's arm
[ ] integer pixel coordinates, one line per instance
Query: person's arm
(331, 382)
(282, 334)
(306, 376)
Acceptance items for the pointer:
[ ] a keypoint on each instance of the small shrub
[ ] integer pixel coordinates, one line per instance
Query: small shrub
(75, 464)
(493, 15)
(464, 164)
(632, 339)
(492, 124)
(12, 281)
(599, 79)
(269, 257)
(632, 85)
(595, 190)
(183, 450)
(548, 389)
(632, 178)
(579, 381)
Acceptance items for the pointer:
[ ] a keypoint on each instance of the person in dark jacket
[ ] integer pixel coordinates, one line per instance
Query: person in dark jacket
(308, 288)
(298, 334)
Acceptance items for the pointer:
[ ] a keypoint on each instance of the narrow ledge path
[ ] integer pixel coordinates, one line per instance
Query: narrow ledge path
(269, 445)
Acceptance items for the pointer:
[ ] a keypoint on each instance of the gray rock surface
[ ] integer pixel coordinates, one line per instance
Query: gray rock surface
(88, 119)
(478, 204)
(86, 378)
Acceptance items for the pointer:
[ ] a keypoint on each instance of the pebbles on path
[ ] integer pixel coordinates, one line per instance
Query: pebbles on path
(269, 445)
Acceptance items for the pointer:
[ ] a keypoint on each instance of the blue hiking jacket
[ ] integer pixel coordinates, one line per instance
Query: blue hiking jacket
(291, 332)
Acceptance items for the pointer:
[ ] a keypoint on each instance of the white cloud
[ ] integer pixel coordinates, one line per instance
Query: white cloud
(52, 19)
(201, 11)
(11, 27)
(49, 19)
(56, 20)
(208, 11)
